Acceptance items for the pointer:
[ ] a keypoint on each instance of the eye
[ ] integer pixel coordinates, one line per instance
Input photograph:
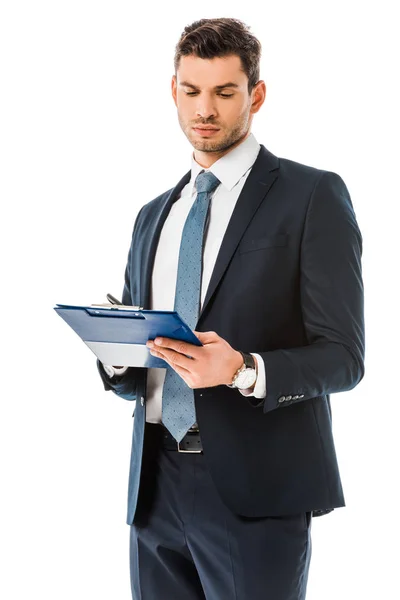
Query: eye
(222, 95)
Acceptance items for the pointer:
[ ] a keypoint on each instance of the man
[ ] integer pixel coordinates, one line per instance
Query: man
(232, 448)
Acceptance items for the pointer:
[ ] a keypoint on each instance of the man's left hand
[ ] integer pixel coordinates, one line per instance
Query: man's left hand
(214, 363)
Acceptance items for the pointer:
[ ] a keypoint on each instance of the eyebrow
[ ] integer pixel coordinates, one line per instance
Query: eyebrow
(217, 87)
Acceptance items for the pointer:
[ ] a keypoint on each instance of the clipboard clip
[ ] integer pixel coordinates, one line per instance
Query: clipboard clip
(117, 307)
(113, 300)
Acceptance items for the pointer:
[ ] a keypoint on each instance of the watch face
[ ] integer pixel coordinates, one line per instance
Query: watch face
(245, 379)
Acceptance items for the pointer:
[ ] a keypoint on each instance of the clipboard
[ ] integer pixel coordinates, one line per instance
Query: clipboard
(117, 335)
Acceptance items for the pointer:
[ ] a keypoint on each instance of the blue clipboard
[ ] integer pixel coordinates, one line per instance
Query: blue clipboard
(118, 336)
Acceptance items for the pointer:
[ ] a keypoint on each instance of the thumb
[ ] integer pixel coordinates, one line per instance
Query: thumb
(205, 336)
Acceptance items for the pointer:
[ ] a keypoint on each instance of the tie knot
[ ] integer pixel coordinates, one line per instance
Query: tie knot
(206, 182)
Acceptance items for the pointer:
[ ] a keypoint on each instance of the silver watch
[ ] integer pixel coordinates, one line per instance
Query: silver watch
(246, 376)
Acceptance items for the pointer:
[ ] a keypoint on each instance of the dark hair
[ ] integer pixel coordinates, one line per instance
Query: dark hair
(209, 38)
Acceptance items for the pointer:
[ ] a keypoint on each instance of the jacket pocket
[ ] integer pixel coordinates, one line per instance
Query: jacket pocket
(269, 241)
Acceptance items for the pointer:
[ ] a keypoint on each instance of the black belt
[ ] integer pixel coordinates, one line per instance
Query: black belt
(190, 443)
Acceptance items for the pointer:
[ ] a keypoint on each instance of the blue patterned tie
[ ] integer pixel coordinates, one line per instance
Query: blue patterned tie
(178, 410)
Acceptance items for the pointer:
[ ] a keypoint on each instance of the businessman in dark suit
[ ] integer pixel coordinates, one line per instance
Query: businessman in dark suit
(221, 499)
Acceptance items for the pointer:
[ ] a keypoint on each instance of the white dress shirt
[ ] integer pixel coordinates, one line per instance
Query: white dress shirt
(232, 170)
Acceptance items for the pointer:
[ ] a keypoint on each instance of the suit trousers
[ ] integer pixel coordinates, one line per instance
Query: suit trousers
(185, 544)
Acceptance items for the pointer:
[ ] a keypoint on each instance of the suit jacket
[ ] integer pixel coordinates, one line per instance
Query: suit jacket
(287, 284)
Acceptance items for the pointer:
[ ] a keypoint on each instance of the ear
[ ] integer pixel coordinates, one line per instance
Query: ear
(259, 93)
(173, 88)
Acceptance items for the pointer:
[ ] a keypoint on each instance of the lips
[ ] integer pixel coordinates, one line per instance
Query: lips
(205, 131)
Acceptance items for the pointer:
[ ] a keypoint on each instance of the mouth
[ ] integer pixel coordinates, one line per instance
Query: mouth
(206, 131)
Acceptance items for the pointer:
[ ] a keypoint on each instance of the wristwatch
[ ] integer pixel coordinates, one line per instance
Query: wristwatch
(246, 376)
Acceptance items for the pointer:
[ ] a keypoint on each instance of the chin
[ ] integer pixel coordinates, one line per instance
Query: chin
(205, 145)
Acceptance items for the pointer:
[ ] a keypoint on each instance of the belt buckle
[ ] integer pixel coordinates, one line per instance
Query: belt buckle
(189, 451)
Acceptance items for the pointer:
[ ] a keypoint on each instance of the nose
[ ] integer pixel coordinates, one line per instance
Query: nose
(205, 107)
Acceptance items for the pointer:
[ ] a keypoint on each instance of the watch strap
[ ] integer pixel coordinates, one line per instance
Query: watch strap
(249, 363)
(248, 360)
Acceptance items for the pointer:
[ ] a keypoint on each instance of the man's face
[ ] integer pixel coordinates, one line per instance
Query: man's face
(203, 99)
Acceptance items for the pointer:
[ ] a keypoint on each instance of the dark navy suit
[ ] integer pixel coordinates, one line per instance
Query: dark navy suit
(287, 284)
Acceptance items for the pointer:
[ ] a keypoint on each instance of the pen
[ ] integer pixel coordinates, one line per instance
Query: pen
(113, 300)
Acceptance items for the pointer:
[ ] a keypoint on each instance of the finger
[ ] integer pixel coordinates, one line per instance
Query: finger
(177, 346)
(206, 337)
(174, 359)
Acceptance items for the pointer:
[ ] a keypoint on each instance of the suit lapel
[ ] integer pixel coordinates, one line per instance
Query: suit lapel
(150, 242)
(257, 185)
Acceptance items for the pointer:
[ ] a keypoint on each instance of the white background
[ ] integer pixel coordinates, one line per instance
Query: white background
(89, 134)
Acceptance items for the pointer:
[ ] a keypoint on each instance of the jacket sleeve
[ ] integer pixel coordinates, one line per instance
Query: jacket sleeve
(332, 303)
(125, 385)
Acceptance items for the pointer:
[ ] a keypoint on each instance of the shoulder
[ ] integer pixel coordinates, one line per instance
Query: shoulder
(308, 178)
(147, 215)
(148, 209)
(298, 176)
(302, 171)
(156, 202)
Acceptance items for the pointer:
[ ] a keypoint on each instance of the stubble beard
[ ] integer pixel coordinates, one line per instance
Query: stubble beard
(210, 145)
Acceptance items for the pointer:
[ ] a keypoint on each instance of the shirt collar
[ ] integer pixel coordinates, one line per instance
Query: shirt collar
(231, 167)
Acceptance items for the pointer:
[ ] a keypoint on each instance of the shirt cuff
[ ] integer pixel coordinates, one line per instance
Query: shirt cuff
(111, 371)
(260, 388)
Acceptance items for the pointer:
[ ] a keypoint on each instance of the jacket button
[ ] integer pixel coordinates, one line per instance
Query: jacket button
(281, 399)
(295, 397)
(302, 396)
(141, 400)
(288, 398)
